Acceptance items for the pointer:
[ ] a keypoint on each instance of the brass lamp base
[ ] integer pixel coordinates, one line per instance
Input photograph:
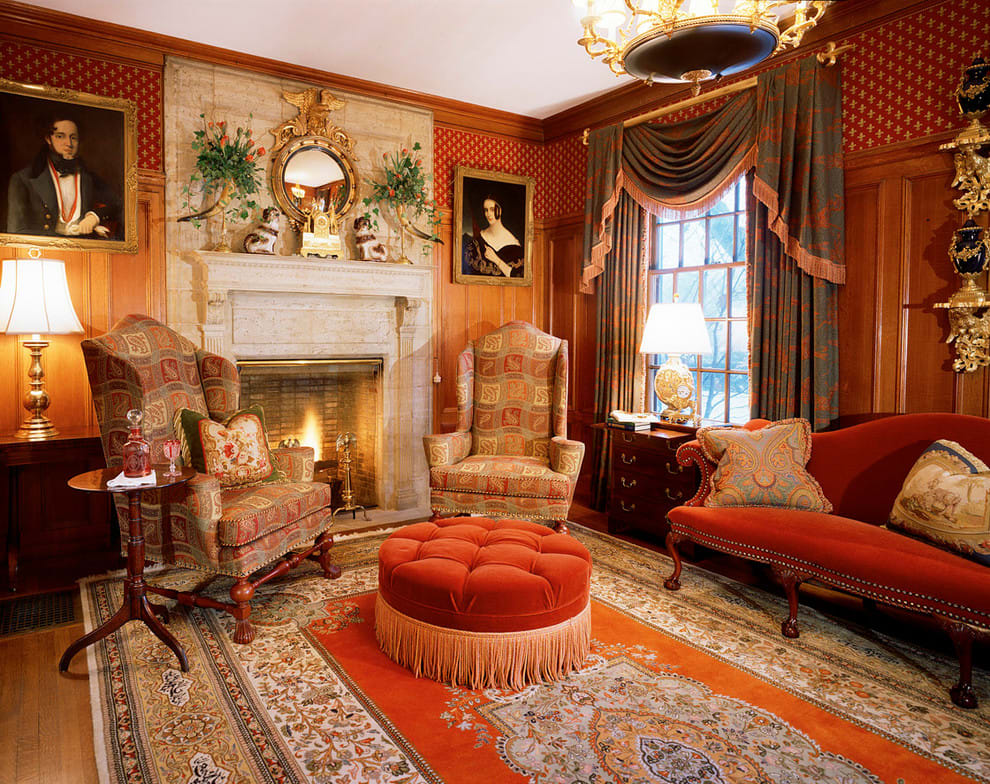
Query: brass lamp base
(674, 385)
(36, 427)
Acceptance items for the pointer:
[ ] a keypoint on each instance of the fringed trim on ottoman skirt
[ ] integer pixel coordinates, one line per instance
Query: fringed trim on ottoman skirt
(480, 660)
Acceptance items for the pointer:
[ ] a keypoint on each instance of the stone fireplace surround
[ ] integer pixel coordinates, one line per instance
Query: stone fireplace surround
(289, 307)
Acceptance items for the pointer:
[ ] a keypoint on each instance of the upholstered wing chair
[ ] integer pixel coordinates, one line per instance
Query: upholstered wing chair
(142, 364)
(510, 456)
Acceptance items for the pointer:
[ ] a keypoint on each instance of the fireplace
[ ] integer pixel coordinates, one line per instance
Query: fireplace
(284, 315)
(312, 401)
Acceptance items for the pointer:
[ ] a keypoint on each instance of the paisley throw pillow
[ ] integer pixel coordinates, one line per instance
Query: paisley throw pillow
(946, 500)
(763, 467)
(236, 452)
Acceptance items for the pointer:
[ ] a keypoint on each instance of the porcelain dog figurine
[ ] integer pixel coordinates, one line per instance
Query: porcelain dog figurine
(262, 239)
(368, 246)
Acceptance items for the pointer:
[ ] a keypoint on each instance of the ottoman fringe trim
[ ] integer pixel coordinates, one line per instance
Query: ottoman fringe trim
(480, 660)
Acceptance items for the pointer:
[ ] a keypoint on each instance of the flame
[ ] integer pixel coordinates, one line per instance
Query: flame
(311, 433)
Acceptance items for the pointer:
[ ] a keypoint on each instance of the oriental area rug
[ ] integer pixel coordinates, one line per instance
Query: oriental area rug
(689, 687)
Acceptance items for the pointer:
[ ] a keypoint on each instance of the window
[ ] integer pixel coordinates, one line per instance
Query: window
(703, 259)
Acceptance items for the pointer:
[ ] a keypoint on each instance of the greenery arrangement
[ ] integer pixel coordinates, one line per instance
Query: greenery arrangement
(227, 168)
(405, 191)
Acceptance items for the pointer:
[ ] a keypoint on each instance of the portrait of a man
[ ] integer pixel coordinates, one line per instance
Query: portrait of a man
(493, 231)
(63, 169)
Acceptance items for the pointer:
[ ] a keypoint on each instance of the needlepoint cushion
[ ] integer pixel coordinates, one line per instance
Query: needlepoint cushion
(236, 452)
(945, 499)
(764, 467)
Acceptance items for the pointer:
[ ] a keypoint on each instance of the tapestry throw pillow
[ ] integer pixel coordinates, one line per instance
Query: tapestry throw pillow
(945, 499)
(764, 467)
(236, 452)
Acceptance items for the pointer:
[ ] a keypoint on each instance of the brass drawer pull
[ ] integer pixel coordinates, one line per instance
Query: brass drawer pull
(675, 471)
(625, 483)
(673, 496)
(628, 460)
(628, 437)
(622, 504)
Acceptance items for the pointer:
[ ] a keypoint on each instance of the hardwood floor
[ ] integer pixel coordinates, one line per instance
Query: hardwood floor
(45, 719)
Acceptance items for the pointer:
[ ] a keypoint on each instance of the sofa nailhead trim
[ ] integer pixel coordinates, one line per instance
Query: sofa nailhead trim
(846, 581)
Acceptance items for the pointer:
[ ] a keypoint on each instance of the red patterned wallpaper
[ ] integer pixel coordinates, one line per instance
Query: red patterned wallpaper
(898, 82)
(34, 65)
(558, 168)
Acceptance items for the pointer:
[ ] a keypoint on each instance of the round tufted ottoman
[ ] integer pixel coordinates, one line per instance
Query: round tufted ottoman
(484, 603)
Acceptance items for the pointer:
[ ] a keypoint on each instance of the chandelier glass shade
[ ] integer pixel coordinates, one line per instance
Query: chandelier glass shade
(692, 40)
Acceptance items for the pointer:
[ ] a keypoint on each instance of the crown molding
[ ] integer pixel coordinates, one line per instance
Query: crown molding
(68, 32)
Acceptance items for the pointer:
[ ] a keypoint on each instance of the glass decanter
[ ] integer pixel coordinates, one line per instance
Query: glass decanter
(137, 451)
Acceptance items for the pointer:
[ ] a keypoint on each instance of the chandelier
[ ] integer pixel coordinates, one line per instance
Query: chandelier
(692, 40)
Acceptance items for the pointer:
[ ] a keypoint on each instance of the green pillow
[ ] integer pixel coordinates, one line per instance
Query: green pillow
(236, 452)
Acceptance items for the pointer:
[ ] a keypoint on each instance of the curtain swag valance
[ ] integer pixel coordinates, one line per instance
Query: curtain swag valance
(789, 129)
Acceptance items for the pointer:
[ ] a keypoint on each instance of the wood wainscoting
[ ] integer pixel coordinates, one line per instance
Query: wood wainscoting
(899, 222)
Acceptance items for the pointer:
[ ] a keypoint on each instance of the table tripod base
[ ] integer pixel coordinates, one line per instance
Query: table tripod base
(152, 614)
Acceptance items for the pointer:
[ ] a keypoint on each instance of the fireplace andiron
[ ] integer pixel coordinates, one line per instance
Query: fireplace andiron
(344, 443)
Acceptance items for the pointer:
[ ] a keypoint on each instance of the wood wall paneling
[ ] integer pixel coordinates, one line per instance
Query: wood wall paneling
(892, 351)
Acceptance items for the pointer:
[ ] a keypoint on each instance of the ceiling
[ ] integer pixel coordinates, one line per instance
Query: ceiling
(519, 56)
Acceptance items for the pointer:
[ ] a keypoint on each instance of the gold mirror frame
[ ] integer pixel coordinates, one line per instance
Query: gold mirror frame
(114, 162)
(297, 217)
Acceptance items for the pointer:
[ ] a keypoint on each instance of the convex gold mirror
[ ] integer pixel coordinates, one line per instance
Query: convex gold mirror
(311, 174)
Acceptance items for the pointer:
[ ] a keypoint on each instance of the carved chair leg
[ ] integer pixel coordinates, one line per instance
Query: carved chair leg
(560, 526)
(962, 636)
(791, 581)
(673, 582)
(435, 516)
(241, 592)
(330, 570)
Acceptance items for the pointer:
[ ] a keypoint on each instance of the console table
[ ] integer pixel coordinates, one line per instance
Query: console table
(645, 480)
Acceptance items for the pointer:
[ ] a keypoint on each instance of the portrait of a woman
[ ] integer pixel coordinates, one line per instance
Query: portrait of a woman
(494, 212)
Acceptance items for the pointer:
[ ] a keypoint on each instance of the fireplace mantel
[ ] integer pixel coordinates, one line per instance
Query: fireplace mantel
(255, 306)
(222, 275)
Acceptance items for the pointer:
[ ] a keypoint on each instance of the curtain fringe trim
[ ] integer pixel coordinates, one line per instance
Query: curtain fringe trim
(700, 204)
(816, 266)
(479, 660)
(661, 209)
(600, 249)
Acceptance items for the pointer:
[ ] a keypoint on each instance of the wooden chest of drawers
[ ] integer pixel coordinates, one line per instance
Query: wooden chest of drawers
(645, 480)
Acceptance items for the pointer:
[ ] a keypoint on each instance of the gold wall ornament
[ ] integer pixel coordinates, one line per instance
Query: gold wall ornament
(315, 106)
(969, 306)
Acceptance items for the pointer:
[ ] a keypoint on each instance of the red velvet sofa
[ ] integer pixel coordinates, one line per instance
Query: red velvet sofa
(861, 469)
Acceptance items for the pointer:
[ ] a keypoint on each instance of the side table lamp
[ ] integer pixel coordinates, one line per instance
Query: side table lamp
(675, 328)
(35, 301)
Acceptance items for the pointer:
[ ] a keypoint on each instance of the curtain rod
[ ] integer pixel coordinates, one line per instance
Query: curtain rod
(826, 57)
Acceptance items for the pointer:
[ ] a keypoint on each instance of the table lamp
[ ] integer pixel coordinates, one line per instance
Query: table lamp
(675, 328)
(35, 301)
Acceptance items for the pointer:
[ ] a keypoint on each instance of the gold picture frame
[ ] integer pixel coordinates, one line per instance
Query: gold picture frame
(105, 176)
(493, 228)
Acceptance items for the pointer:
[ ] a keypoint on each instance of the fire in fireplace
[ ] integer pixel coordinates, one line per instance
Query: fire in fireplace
(312, 401)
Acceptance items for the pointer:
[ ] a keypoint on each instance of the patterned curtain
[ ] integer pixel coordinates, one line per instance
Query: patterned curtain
(621, 315)
(790, 130)
(793, 325)
(797, 242)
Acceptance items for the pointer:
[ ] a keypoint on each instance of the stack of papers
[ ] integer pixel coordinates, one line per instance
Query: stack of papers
(121, 482)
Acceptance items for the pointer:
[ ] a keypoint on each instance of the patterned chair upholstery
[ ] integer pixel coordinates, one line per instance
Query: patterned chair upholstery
(143, 364)
(510, 456)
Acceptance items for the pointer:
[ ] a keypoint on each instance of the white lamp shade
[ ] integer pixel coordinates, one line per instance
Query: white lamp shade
(34, 298)
(676, 328)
